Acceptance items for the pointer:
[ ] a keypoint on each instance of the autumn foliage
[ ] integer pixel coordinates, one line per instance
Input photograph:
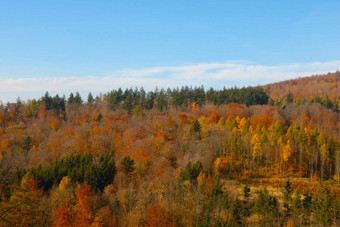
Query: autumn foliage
(175, 157)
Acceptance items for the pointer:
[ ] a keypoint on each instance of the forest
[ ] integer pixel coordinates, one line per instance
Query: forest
(189, 156)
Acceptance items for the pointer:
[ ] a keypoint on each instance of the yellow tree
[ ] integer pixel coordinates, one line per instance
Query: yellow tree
(257, 147)
(23, 207)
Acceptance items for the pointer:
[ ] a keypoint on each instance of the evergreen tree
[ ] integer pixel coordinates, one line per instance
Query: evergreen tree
(287, 198)
(70, 99)
(306, 207)
(161, 101)
(90, 98)
(322, 207)
(128, 165)
(235, 213)
(196, 129)
(127, 105)
(78, 99)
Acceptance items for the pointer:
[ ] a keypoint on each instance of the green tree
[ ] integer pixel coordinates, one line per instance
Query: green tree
(196, 129)
(287, 198)
(128, 165)
(78, 99)
(267, 205)
(192, 171)
(127, 105)
(323, 208)
(90, 98)
(306, 208)
(235, 213)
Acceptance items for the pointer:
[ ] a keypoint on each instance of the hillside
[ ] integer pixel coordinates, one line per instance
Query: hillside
(180, 157)
(307, 87)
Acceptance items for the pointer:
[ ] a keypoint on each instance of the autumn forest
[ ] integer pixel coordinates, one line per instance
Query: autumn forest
(188, 156)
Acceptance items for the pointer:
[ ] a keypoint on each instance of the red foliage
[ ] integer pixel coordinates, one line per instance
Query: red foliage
(157, 217)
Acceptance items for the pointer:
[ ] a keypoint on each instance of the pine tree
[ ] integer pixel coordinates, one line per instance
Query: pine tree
(287, 198)
(235, 213)
(90, 98)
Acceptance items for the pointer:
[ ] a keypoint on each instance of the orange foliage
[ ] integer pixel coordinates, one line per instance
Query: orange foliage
(4, 143)
(157, 217)
(54, 145)
(82, 209)
(183, 119)
(62, 217)
(214, 117)
(42, 112)
(235, 109)
(262, 117)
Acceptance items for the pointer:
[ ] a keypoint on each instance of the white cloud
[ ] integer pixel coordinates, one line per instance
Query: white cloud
(209, 74)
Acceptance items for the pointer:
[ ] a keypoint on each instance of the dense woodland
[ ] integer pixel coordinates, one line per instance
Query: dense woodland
(256, 156)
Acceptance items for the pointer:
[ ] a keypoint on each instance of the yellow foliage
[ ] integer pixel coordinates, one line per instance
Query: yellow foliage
(257, 146)
(287, 151)
(221, 123)
(221, 165)
(201, 179)
(242, 125)
(64, 184)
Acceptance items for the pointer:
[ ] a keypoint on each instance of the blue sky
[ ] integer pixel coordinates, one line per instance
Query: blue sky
(64, 46)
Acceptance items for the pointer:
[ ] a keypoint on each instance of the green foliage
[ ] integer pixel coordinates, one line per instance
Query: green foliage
(90, 98)
(306, 207)
(196, 129)
(246, 191)
(55, 103)
(191, 171)
(287, 198)
(78, 168)
(224, 201)
(324, 101)
(184, 96)
(323, 207)
(99, 117)
(235, 213)
(296, 207)
(266, 205)
(27, 144)
(78, 99)
(128, 105)
(128, 165)
(161, 101)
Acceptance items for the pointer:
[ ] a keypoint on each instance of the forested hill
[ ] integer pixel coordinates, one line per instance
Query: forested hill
(176, 157)
(322, 89)
(307, 87)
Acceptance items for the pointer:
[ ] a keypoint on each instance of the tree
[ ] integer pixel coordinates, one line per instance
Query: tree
(266, 205)
(196, 129)
(161, 101)
(191, 171)
(157, 217)
(127, 105)
(128, 165)
(246, 191)
(77, 98)
(70, 99)
(287, 198)
(235, 213)
(82, 212)
(296, 207)
(23, 206)
(322, 207)
(90, 98)
(306, 207)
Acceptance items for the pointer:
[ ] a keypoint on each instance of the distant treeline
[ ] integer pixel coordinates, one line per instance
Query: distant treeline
(159, 99)
(325, 101)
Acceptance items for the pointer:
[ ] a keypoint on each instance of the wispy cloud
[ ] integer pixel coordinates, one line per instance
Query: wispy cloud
(209, 74)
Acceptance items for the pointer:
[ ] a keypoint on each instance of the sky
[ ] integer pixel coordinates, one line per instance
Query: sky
(68, 46)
